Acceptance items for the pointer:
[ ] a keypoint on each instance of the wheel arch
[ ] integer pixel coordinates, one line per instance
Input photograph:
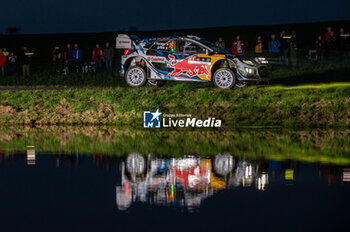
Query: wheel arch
(127, 63)
(142, 62)
(219, 64)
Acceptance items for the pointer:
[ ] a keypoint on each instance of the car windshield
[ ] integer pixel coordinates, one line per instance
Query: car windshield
(216, 49)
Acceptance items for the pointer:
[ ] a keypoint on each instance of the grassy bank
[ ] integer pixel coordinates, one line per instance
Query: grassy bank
(330, 146)
(302, 105)
(302, 96)
(305, 72)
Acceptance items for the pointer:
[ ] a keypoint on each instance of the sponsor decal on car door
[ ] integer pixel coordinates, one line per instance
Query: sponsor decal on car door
(193, 66)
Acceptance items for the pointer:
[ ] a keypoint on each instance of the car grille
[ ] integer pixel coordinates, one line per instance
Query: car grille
(263, 72)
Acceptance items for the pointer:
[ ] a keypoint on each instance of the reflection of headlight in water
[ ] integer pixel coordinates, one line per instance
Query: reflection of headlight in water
(346, 174)
(248, 171)
(31, 156)
(247, 179)
(262, 181)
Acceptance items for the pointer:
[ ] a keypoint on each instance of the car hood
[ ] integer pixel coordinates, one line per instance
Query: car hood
(241, 58)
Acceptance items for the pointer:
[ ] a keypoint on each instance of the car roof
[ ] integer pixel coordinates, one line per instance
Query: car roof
(189, 37)
(149, 42)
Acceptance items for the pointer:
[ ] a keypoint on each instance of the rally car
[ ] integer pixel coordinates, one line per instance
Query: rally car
(185, 58)
(177, 181)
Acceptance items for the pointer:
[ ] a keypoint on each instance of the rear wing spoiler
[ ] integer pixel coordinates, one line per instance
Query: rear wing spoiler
(124, 41)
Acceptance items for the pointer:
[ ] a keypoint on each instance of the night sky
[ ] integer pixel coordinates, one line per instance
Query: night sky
(59, 16)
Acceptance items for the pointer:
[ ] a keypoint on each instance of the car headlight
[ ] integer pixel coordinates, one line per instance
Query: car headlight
(249, 70)
(261, 60)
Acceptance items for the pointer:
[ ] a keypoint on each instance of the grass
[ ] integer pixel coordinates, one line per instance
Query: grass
(56, 80)
(325, 105)
(322, 103)
(329, 146)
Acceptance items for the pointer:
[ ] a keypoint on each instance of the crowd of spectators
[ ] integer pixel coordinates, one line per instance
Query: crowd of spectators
(70, 60)
(67, 60)
(284, 46)
(9, 61)
(330, 42)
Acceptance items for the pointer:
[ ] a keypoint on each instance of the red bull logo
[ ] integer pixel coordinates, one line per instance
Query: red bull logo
(191, 66)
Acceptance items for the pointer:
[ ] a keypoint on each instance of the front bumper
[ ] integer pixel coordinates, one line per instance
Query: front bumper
(255, 74)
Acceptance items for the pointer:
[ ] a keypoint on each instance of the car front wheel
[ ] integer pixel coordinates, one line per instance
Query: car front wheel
(224, 78)
(136, 76)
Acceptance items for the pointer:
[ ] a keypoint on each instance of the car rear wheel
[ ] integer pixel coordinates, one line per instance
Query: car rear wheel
(136, 76)
(224, 78)
(156, 83)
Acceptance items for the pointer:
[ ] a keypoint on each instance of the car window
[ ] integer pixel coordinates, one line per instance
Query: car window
(164, 46)
(190, 47)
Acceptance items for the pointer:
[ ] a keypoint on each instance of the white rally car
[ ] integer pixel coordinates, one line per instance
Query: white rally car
(185, 58)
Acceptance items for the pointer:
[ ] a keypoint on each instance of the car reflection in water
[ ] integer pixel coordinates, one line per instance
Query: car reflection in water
(183, 182)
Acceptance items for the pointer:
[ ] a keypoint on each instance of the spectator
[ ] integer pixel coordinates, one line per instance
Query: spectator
(67, 56)
(259, 45)
(285, 45)
(26, 58)
(332, 41)
(328, 33)
(77, 57)
(97, 57)
(274, 45)
(57, 59)
(54, 53)
(238, 46)
(319, 46)
(59, 63)
(2, 62)
(220, 43)
(108, 55)
(6, 54)
(293, 48)
(343, 40)
(12, 63)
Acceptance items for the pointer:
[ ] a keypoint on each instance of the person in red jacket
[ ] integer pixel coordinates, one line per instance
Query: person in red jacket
(328, 33)
(3, 61)
(67, 56)
(238, 46)
(97, 57)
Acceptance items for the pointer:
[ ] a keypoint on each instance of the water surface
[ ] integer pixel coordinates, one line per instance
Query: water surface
(68, 179)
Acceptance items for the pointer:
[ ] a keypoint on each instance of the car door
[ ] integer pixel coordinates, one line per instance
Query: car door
(158, 54)
(189, 61)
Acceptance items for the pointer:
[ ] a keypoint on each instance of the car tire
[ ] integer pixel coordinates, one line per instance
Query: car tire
(136, 76)
(224, 78)
(156, 83)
